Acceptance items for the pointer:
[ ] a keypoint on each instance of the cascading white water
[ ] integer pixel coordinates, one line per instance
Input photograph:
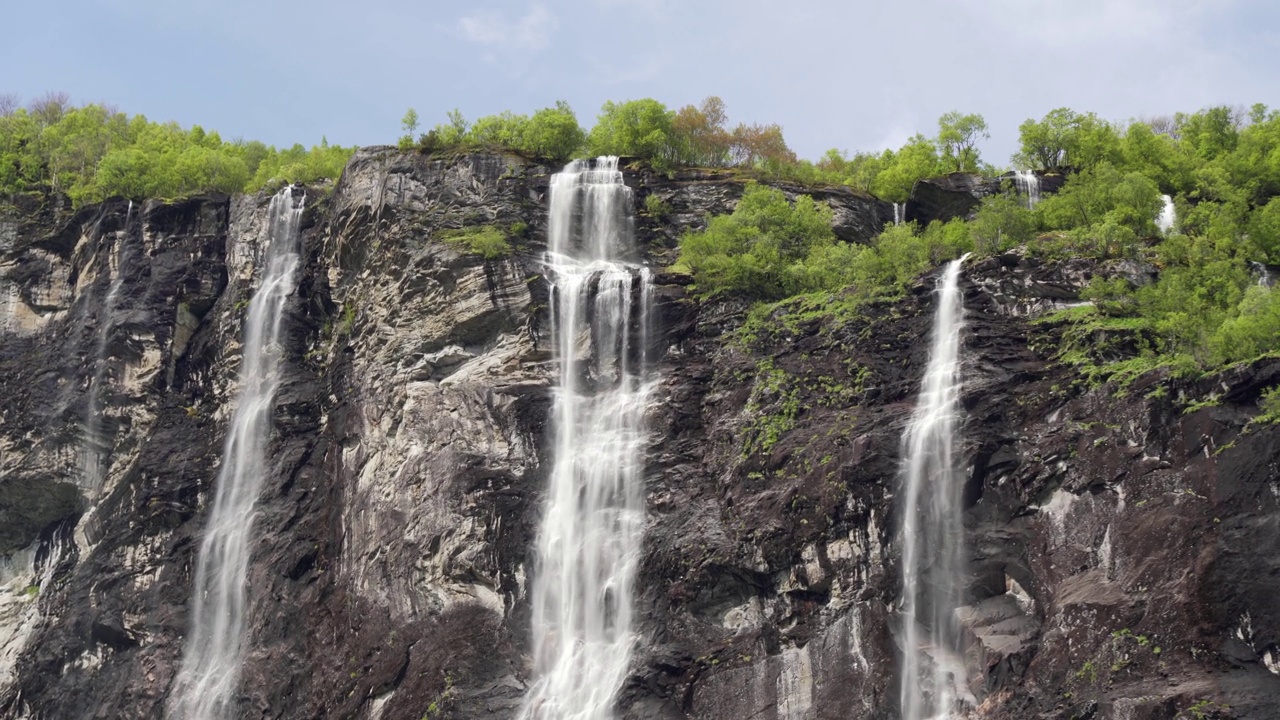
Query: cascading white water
(1263, 274)
(211, 660)
(95, 448)
(1028, 183)
(899, 211)
(1168, 215)
(933, 683)
(589, 540)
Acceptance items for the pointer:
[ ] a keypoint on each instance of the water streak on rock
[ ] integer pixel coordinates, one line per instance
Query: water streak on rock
(206, 684)
(96, 445)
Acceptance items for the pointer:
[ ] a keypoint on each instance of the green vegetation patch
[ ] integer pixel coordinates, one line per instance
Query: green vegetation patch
(1269, 404)
(92, 152)
(487, 241)
(773, 409)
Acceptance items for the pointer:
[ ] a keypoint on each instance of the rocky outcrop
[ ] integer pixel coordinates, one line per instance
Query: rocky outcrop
(1121, 543)
(958, 195)
(687, 197)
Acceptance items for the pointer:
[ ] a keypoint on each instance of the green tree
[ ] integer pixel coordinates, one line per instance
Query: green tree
(554, 133)
(408, 123)
(1002, 222)
(1210, 133)
(1066, 139)
(1264, 231)
(505, 129)
(958, 136)
(1104, 193)
(636, 128)
(700, 134)
(901, 170)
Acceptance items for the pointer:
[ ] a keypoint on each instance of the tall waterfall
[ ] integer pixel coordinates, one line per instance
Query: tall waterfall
(899, 213)
(589, 540)
(933, 678)
(1168, 215)
(95, 447)
(206, 684)
(1028, 183)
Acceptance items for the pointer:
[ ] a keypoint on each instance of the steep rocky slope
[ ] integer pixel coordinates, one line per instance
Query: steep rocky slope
(1124, 545)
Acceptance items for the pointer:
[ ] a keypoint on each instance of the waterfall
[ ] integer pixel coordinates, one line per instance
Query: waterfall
(207, 681)
(899, 210)
(933, 682)
(1028, 183)
(1168, 215)
(588, 545)
(1263, 273)
(95, 447)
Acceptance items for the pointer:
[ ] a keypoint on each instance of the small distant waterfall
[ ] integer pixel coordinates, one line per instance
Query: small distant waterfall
(899, 210)
(1168, 215)
(1263, 273)
(95, 447)
(207, 681)
(589, 540)
(1028, 183)
(933, 682)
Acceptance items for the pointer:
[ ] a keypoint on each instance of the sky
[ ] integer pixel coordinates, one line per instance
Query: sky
(853, 75)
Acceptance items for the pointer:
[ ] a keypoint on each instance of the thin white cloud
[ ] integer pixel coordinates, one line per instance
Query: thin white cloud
(655, 9)
(489, 27)
(1067, 23)
(642, 69)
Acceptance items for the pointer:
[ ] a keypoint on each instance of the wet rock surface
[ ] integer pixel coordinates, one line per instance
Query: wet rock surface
(958, 195)
(1124, 551)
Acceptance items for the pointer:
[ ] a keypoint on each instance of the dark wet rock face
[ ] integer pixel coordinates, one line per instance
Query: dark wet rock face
(958, 195)
(1123, 552)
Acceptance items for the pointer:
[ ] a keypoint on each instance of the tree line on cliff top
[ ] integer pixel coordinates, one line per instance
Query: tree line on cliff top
(1211, 304)
(91, 152)
(701, 136)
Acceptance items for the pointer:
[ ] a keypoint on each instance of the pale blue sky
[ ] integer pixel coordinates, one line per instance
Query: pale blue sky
(853, 75)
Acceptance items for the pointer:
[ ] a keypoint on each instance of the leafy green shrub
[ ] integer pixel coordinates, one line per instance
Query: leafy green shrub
(1103, 194)
(1001, 223)
(752, 251)
(656, 207)
(1269, 403)
(1254, 330)
(1112, 297)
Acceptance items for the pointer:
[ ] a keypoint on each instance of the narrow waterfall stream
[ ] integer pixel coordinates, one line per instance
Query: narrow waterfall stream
(1028, 183)
(95, 446)
(1168, 216)
(207, 681)
(933, 682)
(589, 542)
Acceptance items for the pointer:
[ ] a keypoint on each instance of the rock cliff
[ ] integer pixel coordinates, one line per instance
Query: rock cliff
(1124, 546)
